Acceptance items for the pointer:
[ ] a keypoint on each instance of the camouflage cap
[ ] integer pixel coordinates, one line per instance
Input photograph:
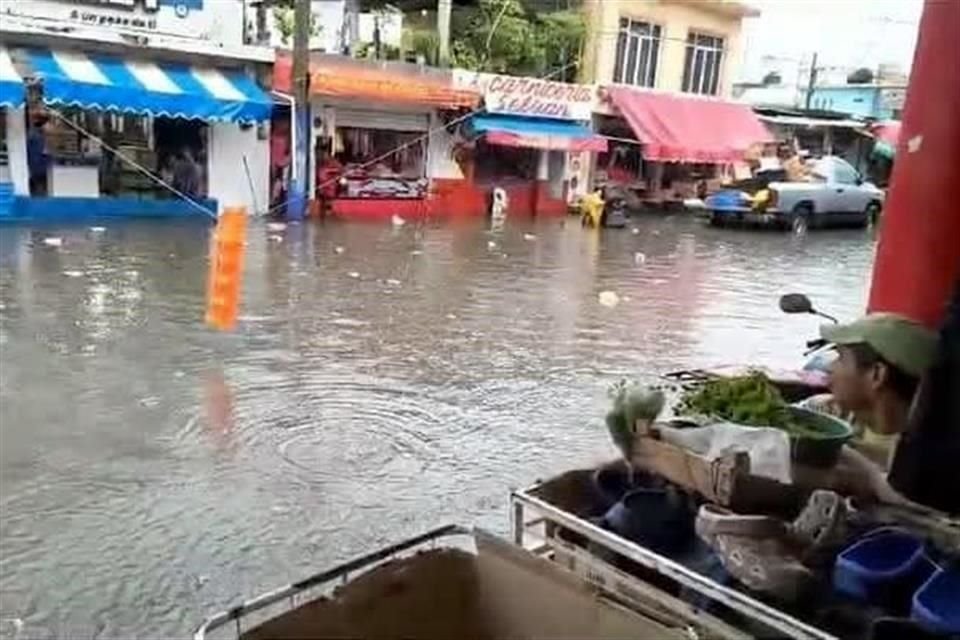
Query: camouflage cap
(905, 344)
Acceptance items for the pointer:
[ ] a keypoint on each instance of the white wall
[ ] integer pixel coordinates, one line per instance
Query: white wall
(227, 176)
(17, 150)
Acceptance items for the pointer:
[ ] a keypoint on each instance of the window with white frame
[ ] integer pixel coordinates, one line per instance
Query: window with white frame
(701, 70)
(638, 52)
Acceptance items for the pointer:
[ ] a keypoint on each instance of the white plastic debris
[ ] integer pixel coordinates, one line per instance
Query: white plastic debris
(397, 221)
(353, 274)
(491, 245)
(338, 250)
(609, 298)
(73, 274)
(275, 238)
(416, 252)
(451, 316)
(635, 231)
(529, 237)
(639, 258)
(97, 229)
(393, 282)
(53, 241)
(276, 226)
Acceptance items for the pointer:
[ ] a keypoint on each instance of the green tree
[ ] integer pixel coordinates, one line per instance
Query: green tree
(503, 36)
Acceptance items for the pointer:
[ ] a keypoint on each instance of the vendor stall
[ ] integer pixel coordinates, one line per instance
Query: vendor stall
(377, 134)
(680, 145)
(110, 135)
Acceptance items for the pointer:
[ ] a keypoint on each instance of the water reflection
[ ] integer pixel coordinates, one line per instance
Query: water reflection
(152, 470)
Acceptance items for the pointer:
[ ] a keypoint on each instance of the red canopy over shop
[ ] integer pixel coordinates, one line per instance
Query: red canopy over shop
(676, 128)
(339, 77)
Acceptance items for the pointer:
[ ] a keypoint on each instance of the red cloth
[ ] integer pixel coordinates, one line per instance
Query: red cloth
(554, 143)
(918, 255)
(676, 128)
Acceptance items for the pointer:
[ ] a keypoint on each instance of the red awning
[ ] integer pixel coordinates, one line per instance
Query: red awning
(677, 128)
(550, 143)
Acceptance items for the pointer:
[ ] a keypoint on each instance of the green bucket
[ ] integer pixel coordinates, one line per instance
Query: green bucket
(821, 440)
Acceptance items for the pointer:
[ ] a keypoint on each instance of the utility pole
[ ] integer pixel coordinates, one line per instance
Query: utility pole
(444, 8)
(811, 83)
(300, 78)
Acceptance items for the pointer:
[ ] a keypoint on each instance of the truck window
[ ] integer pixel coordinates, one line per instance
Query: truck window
(845, 174)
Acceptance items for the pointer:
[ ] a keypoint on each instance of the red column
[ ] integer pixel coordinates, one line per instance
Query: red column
(918, 258)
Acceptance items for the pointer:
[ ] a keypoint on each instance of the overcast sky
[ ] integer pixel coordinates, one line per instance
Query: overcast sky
(844, 33)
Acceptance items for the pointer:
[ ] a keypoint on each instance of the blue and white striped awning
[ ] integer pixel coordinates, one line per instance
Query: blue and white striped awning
(107, 83)
(11, 84)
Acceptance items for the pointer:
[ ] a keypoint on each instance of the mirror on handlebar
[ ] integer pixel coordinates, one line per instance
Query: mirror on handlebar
(796, 303)
(799, 303)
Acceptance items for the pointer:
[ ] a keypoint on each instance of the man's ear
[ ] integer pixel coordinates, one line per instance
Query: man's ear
(879, 375)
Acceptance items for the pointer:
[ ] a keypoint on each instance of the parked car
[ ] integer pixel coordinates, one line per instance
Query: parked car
(835, 195)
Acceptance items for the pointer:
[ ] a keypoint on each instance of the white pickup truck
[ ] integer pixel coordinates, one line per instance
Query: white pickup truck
(834, 196)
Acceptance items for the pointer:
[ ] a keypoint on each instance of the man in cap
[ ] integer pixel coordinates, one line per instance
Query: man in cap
(880, 359)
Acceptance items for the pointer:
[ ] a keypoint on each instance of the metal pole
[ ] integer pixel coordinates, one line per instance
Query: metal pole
(443, 30)
(297, 206)
(811, 82)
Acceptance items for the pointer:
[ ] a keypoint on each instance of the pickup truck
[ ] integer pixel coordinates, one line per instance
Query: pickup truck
(834, 195)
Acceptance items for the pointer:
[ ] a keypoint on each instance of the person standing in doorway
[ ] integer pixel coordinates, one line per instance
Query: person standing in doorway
(186, 174)
(37, 158)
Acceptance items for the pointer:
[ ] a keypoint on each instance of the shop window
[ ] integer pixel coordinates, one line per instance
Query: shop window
(638, 53)
(494, 162)
(381, 153)
(701, 69)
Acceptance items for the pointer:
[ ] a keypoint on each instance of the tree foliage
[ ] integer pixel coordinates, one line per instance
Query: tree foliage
(502, 36)
(863, 75)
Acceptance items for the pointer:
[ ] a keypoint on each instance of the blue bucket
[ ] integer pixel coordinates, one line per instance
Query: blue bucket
(883, 569)
(936, 605)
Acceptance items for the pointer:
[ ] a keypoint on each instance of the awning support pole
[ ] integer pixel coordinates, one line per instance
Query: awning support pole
(297, 205)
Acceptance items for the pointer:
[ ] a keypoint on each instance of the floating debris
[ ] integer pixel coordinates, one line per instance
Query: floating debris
(97, 229)
(529, 237)
(53, 241)
(639, 258)
(451, 316)
(275, 238)
(73, 274)
(179, 374)
(149, 402)
(491, 245)
(338, 250)
(353, 274)
(276, 226)
(609, 298)
(635, 231)
(397, 221)
(416, 252)
(393, 282)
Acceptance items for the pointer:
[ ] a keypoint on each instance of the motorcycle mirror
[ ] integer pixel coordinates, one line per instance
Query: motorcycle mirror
(796, 303)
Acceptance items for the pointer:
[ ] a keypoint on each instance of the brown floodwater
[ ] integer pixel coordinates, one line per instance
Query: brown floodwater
(381, 381)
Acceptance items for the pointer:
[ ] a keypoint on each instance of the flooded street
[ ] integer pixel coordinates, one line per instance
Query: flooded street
(381, 382)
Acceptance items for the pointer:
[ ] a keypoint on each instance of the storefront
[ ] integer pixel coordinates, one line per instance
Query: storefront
(378, 133)
(113, 135)
(532, 139)
(666, 148)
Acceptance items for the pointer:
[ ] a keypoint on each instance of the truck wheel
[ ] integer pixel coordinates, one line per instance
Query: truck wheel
(801, 219)
(873, 214)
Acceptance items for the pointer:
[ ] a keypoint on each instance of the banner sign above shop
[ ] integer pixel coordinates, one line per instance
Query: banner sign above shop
(531, 97)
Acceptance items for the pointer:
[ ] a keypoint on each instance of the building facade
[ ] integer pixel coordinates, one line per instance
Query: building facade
(155, 80)
(874, 101)
(688, 46)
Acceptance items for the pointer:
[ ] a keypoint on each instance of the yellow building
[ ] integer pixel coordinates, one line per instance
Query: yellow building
(691, 46)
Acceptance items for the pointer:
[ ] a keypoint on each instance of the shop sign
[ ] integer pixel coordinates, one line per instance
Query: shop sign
(183, 17)
(531, 96)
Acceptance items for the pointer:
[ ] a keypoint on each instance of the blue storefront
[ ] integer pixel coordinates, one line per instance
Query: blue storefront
(104, 136)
